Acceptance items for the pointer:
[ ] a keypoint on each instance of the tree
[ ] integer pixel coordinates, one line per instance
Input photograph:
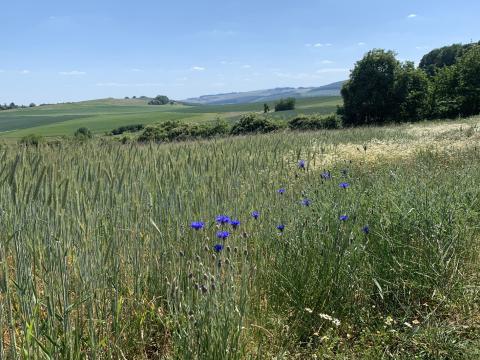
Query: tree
(266, 108)
(445, 101)
(159, 100)
(369, 94)
(32, 105)
(411, 90)
(442, 57)
(285, 104)
(469, 82)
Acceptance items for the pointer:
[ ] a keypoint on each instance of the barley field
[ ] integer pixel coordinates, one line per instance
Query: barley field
(353, 243)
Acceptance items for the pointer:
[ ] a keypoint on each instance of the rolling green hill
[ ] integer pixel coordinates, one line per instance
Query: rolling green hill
(103, 115)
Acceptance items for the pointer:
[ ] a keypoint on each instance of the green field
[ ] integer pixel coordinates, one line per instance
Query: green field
(98, 258)
(102, 116)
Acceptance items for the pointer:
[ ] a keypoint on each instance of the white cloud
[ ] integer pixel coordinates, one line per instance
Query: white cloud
(25, 72)
(137, 70)
(318, 45)
(361, 43)
(115, 84)
(411, 16)
(198, 68)
(72, 73)
(246, 66)
(331, 70)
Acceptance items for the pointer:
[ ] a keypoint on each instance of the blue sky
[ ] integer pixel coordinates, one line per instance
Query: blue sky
(55, 51)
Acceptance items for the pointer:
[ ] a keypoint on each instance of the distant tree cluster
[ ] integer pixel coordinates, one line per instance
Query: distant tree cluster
(381, 88)
(285, 104)
(159, 100)
(12, 106)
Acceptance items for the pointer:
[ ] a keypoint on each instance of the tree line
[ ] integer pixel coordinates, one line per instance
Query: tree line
(12, 106)
(381, 89)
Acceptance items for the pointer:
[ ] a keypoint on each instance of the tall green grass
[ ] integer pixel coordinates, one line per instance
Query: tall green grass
(98, 259)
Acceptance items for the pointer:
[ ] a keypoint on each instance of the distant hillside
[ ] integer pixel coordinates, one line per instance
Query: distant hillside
(267, 95)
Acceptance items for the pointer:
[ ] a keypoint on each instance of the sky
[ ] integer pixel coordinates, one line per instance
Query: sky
(57, 51)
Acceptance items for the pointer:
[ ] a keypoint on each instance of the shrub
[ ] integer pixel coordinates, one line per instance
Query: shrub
(253, 123)
(159, 100)
(83, 133)
(175, 131)
(285, 104)
(314, 122)
(127, 128)
(31, 140)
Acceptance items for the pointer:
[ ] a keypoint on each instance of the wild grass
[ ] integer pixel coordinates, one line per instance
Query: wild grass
(98, 259)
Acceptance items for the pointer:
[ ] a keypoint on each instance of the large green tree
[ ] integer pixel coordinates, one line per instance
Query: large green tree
(469, 82)
(369, 94)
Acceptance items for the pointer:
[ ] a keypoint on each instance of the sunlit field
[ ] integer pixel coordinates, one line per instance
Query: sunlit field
(287, 245)
(102, 116)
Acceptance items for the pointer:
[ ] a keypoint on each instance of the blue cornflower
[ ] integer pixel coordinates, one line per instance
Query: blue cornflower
(255, 214)
(306, 202)
(223, 235)
(366, 229)
(301, 164)
(223, 219)
(344, 185)
(281, 227)
(281, 191)
(326, 175)
(197, 225)
(343, 217)
(235, 223)
(218, 247)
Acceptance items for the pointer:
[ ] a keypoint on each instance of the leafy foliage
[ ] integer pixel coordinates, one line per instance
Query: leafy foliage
(314, 122)
(253, 123)
(83, 133)
(176, 131)
(127, 128)
(442, 57)
(285, 104)
(382, 89)
(159, 100)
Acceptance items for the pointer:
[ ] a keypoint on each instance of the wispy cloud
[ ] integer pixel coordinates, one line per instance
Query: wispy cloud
(25, 72)
(72, 73)
(326, 62)
(412, 16)
(318, 45)
(1, 70)
(331, 70)
(421, 47)
(198, 68)
(137, 70)
(115, 84)
(361, 43)
(246, 66)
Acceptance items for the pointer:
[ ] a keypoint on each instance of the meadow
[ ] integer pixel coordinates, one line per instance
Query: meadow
(353, 243)
(102, 116)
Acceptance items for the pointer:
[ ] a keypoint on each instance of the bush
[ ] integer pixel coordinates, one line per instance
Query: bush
(31, 140)
(253, 123)
(159, 100)
(285, 104)
(314, 122)
(127, 128)
(175, 131)
(83, 133)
